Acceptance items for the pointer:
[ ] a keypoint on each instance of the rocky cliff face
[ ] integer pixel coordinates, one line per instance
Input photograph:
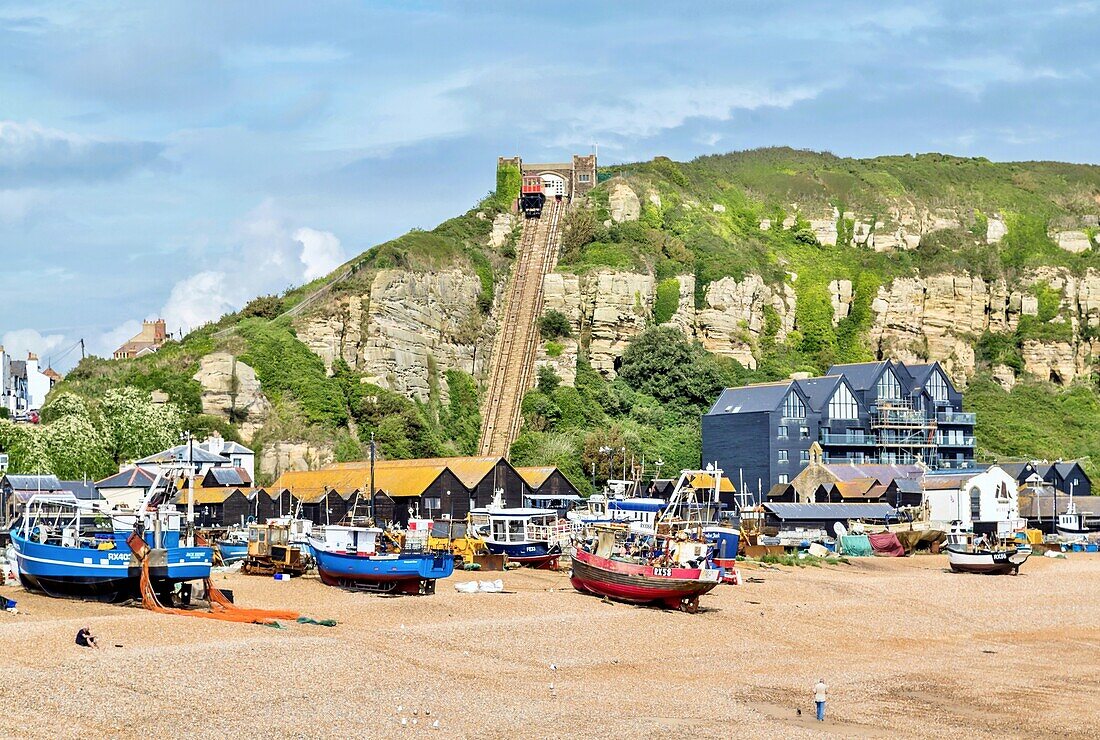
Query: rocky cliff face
(408, 325)
(231, 390)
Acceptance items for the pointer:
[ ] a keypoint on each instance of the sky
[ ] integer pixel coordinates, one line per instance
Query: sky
(176, 159)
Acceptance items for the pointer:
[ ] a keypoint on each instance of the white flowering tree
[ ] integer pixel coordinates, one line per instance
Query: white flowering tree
(77, 448)
(134, 426)
(25, 445)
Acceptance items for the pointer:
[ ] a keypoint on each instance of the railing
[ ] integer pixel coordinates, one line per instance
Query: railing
(905, 440)
(560, 533)
(901, 418)
(954, 441)
(955, 417)
(846, 439)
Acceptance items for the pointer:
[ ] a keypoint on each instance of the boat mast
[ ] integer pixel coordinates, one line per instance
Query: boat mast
(370, 504)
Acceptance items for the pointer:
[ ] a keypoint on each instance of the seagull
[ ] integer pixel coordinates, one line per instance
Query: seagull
(553, 667)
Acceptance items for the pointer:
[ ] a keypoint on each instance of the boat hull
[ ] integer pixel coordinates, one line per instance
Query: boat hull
(991, 563)
(640, 584)
(530, 554)
(231, 552)
(406, 573)
(105, 575)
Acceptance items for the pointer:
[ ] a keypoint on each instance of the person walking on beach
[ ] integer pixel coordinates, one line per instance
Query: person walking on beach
(820, 690)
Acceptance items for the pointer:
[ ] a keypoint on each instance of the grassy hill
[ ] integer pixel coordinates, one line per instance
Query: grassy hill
(704, 220)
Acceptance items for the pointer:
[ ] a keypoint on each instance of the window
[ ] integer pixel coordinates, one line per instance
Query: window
(803, 432)
(793, 408)
(237, 462)
(784, 478)
(804, 456)
(888, 386)
(517, 532)
(781, 432)
(433, 502)
(975, 503)
(583, 178)
(843, 404)
(782, 456)
(937, 386)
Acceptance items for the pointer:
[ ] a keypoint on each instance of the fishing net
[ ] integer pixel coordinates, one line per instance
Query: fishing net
(221, 607)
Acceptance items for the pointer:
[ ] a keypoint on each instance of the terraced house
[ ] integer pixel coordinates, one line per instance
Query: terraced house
(874, 412)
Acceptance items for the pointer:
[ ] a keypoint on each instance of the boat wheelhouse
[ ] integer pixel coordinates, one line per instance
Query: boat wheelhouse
(1070, 526)
(533, 537)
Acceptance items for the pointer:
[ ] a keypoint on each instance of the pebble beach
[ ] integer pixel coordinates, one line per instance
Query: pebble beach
(906, 647)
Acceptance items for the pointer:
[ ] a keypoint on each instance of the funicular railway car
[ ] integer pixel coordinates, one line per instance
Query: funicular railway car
(531, 196)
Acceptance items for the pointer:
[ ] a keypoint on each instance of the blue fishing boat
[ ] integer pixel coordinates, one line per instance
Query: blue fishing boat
(360, 558)
(232, 546)
(532, 537)
(724, 542)
(67, 547)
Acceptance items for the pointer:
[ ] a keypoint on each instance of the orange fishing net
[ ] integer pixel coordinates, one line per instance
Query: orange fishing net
(220, 607)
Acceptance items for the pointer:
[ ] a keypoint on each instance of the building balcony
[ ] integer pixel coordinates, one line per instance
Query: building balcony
(898, 419)
(846, 439)
(955, 417)
(892, 440)
(955, 441)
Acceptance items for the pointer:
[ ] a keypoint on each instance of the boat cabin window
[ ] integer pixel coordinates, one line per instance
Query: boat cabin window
(517, 532)
(500, 533)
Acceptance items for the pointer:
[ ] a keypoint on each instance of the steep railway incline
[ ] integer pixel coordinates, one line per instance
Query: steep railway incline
(510, 373)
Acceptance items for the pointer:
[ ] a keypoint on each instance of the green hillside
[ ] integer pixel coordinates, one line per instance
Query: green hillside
(707, 224)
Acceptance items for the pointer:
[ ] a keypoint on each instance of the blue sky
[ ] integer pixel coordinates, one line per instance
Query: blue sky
(177, 159)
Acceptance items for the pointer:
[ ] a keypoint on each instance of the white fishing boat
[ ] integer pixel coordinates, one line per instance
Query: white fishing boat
(985, 554)
(1070, 525)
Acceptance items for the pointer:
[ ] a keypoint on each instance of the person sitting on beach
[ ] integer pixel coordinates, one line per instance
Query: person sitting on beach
(85, 638)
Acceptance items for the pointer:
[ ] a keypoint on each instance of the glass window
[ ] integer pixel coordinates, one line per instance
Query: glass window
(888, 386)
(793, 408)
(804, 455)
(937, 386)
(499, 531)
(516, 530)
(781, 432)
(433, 502)
(584, 178)
(975, 503)
(843, 404)
(782, 456)
(784, 478)
(803, 432)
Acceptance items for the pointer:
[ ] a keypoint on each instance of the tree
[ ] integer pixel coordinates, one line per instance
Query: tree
(264, 307)
(135, 426)
(77, 448)
(554, 324)
(62, 405)
(663, 364)
(548, 380)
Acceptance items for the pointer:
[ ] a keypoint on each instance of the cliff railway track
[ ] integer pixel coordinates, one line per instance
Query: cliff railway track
(513, 357)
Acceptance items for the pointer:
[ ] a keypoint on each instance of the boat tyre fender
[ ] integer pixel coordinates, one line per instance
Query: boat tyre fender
(691, 606)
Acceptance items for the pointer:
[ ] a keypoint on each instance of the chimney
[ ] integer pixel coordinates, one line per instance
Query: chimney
(32, 356)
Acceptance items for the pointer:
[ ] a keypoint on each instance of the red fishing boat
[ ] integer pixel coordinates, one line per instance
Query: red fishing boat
(665, 566)
(673, 587)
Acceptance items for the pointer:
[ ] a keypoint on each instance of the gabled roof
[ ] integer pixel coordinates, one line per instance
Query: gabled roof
(1017, 469)
(751, 398)
(310, 486)
(34, 483)
(880, 472)
(861, 375)
(1065, 469)
(208, 496)
(469, 470)
(230, 448)
(828, 512)
(179, 453)
(704, 481)
(857, 488)
(132, 478)
(84, 490)
(819, 390)
(535, 477)
(908, 485)
(227, 477)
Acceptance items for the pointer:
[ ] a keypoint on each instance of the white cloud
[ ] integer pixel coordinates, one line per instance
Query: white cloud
(321, 252)
(107, 342)
(16, 205)
(198, 299)
(19, 342)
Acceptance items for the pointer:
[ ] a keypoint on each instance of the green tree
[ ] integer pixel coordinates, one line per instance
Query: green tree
(663, 364)
(554, 324)
(134, 426)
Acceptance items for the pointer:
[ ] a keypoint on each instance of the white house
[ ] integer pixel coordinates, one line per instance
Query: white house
(982, 499)
(214, 452)
(23, 386)
(238, 455)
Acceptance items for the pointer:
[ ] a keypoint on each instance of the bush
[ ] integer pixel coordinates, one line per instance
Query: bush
(667, 301)
(548, 379)
(663, 364)
(264, 307)
(554, 349)
(554, 324)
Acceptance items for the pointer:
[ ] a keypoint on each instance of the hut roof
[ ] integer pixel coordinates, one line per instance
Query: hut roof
(469, 470)
(535, 477)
